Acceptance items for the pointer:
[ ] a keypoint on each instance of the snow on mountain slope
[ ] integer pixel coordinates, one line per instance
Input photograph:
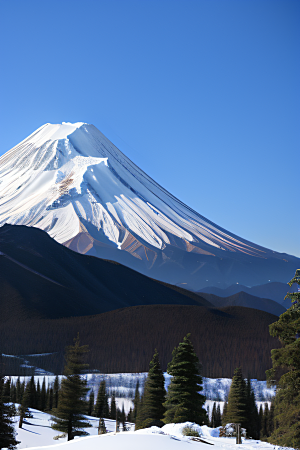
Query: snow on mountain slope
(72, 182)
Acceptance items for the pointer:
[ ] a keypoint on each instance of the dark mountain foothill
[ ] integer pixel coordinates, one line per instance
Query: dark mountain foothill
(43, 279)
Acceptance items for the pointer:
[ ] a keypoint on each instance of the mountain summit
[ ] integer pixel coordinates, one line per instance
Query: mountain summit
(72, 182)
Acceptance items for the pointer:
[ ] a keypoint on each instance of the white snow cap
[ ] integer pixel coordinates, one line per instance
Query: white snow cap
(68, 178)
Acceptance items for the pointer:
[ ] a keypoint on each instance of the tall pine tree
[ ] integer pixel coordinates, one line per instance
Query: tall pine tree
(183, 401)
(7, 430)
(101, 408)
(253, 425)
(69, 417)
(152, 410)
(237, 401)
(287, 399)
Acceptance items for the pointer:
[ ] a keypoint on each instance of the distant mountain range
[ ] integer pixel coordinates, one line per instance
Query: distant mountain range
(246, 300)
(72, 182)
(274, 290)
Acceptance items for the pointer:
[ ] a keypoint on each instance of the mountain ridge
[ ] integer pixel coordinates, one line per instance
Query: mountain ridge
(43, 279)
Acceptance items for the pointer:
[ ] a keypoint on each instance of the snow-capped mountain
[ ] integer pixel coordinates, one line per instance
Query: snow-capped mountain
(72, 182)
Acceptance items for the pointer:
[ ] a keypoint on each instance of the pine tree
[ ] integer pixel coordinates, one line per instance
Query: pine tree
(237, 401)
(38, 396)
(213, 416)
(49, 406)
(218, 419)
(224, 413)
(287, 399)
(28, 401)
(13, 393)
(6, 391)
(56, 388)
(136, 401)
(260, 419)
(18, 391)
(265, 420)
(101, 407)
(183, 401)
(43, 399)
(253, 427)
(123, 417)
(71, 403)
(7, 430)
(113, 407)
(152, 409)
(270, 425)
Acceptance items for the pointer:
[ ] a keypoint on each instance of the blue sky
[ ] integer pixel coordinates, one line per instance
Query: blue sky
(202, 95)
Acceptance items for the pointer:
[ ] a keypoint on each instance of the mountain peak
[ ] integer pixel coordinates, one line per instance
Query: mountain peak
(71, 181)
(54, 132)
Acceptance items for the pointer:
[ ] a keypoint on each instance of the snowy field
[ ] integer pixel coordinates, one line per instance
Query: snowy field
(37, 433)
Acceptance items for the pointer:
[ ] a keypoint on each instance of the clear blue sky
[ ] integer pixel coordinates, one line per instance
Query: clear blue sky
(203, 95)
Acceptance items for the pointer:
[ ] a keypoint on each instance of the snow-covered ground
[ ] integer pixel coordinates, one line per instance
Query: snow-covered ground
(123, 385)
(37, 433)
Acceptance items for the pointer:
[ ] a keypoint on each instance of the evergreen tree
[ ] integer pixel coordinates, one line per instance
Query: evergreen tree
(56, 388)
(183, 401)
(265, 421)
(43, 400)
(136, 401)
(123, 417)
(213, 416)
(218, 419)
(237, 401)
(38, 396)
(91, 403)
(6, 391)
(71, 403)
(28, 399)
(140, 417)
(13, 393)
(260, 419)
(7, 430)
(224, 413)
(270, 424)
(287, 399)
(253, 426)
(113, 407)
(18, 391)
(30, 393)
(49, 399)
(130, 415)
(152, 409)
(101, 407)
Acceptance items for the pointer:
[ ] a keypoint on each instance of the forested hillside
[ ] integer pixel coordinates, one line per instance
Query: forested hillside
(124, 340)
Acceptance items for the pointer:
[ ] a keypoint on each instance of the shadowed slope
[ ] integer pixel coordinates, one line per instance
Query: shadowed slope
(41, 278)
